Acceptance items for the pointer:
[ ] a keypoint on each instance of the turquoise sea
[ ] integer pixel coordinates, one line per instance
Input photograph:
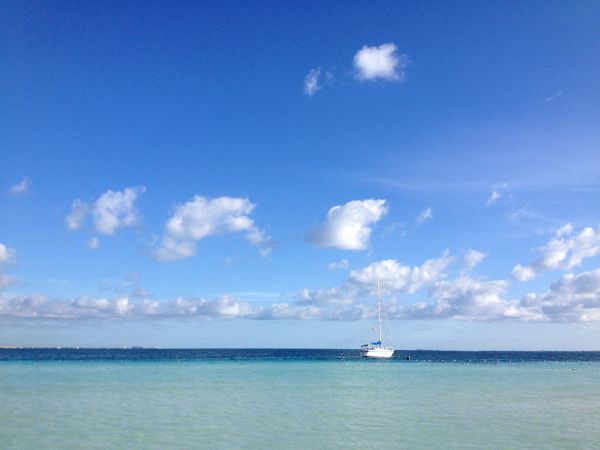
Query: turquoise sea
(317, 399)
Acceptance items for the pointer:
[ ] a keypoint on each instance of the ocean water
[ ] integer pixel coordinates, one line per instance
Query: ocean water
(317, 399)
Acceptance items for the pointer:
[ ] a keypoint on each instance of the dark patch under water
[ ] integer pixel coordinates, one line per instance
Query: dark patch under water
(143, 354)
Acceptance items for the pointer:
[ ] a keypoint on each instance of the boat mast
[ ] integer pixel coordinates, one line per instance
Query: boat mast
(379, 308)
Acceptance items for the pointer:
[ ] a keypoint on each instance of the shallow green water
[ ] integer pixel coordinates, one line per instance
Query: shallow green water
(298, 404)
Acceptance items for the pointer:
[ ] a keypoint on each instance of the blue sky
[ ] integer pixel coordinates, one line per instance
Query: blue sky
(197, 175)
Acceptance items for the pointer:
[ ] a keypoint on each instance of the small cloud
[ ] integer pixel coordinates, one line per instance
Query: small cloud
(472, 258)
(22, 187)
(111, 211)
(554, 97)
(258, 238)
(498, 192)
(93, 243)
(349, 226)
(425, 216)
(5, 281)
(494, 196)
(114, 210)
(77, 216)
(311, 82)
(7, 255)
(523, 273)
(338, 265)
(382, 62)
(565, 230)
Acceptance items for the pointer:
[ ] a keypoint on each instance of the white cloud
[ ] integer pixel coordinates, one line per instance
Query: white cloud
(565, 250)
(499, 191)
(462, 298)
(6, 280)
(424, 216)
(382, 62)
(565, 230)
(354, 299)
(523, 273)
(465, 298)
(585, 245)
(110, 212)
(394, 276)
(349, 226)
(494, 197)
(93, 243)
(338, 265)
(114, 210)
(472, 258)
(21, 187)
(573, 298)
(77, 216)
(258, 238)
(7, 255)
(172, 249)
(203, 217)
(311, 82)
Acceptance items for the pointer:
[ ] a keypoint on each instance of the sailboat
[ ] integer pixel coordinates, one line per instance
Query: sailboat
(377, 349)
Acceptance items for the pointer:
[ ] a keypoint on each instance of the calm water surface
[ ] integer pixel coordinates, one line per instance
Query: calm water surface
(88, 399)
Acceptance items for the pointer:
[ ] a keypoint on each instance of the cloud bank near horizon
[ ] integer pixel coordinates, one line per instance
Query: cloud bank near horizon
(450, 292)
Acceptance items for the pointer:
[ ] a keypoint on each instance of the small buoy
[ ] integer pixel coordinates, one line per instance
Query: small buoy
(407, 358)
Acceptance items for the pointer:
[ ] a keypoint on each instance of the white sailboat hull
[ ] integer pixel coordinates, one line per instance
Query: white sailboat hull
(377, 352)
